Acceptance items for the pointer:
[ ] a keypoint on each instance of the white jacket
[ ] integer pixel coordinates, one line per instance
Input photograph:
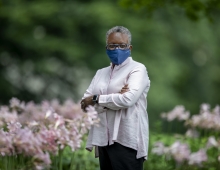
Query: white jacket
(123, 117)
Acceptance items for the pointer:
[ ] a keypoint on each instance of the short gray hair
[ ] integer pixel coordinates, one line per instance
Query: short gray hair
(120, 29)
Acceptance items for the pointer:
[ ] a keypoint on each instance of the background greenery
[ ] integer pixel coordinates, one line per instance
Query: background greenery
(52, 49)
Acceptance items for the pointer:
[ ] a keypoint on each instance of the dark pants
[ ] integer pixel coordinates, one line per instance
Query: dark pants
(118, 157)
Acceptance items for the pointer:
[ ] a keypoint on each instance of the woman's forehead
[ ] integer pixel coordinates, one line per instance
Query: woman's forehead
(117, 37)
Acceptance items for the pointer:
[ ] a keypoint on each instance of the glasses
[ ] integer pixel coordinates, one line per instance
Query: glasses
(119, 46)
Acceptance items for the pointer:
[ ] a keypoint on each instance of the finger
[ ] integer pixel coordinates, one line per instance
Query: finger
(84, 109)
(82, 106)
(123, 91)
(124, 88)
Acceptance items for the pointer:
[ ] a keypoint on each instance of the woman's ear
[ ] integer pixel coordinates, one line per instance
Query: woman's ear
(130, 47)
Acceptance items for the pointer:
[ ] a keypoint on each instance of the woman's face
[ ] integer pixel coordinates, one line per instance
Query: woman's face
(118, 38)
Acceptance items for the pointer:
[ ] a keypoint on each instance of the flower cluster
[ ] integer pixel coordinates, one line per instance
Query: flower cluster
(178, 113)
(206, 119)
(40, 130)
(181, 152)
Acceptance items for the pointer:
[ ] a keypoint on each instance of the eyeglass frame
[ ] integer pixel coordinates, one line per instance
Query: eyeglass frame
(117, 46)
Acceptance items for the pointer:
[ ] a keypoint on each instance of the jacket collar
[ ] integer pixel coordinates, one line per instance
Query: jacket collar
(122, 64)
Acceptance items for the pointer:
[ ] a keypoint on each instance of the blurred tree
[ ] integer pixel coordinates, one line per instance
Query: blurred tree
(43, 45)
(194, 9)
(51, 49)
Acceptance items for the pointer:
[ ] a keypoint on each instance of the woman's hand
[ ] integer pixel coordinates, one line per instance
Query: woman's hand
(86, 102)
(124, 89)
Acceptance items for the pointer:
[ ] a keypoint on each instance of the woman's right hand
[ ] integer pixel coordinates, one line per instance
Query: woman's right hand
(124, 89)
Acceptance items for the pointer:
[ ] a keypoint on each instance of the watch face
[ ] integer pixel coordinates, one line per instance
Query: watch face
(94, 98)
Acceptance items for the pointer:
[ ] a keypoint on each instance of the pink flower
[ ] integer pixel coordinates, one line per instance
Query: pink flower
(206, 119)
(180, 152)
(178, 113)
(30, 133)
(26, 142)
(197, 158)
(7, 116)
(17, 104)
(32, 124)
(48, 113)
(205, 107)
(216, 110)
(44, 158)
(163, 115)
(49, 140)
(211, 142)
(6, 146)
(159, 148)
(195, 120)
(13, 127)
(58, 120)
(192, 133)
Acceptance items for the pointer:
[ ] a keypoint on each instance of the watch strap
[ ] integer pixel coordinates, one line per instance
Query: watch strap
(95, 98)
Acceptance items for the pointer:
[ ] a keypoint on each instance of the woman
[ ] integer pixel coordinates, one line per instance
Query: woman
(118, 93)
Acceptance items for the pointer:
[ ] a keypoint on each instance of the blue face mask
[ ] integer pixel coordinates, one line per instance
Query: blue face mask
(118, 56)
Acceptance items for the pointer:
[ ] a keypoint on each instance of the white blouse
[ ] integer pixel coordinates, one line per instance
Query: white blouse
(123, 117)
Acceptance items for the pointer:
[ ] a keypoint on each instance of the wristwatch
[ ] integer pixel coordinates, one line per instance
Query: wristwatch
(95, 98)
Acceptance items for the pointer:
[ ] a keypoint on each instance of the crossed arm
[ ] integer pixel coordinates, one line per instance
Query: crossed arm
(137, 83)
(88, 100)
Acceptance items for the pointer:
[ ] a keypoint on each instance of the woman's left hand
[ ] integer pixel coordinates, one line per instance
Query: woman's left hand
(124, 89)
(86, 102)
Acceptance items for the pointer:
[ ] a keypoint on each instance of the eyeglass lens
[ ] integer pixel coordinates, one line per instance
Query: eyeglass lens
(114, 46)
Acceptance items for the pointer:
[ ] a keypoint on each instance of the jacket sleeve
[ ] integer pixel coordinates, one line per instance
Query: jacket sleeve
(89, 92)
(138, 82)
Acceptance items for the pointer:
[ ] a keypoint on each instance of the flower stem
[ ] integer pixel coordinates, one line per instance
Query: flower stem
(71, 164)
(61, 159)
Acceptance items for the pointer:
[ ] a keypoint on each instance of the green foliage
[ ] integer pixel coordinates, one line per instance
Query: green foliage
(200, 147)
(80, 159)
(193, 9)
(15, 162)
(84, 160)
(52, 49)
(194, 143)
